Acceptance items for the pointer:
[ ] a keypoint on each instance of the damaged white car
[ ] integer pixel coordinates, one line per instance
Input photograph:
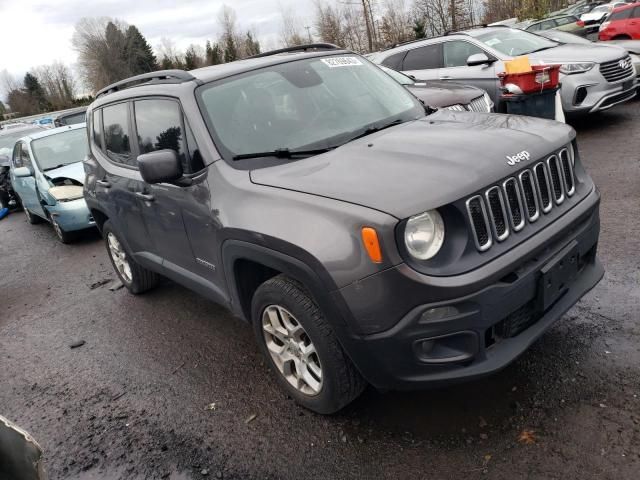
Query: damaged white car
(47, 175)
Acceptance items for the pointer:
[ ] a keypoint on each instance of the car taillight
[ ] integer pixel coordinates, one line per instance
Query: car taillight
(580, 23)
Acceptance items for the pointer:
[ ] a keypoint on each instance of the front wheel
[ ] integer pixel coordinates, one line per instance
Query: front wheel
(136, 278)
(302, 349)
(64, 237)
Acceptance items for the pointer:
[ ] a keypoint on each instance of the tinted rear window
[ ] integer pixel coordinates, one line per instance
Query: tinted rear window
(394, 61)
(423, 58)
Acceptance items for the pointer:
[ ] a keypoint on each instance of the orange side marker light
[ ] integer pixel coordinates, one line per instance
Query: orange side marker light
(371, 244)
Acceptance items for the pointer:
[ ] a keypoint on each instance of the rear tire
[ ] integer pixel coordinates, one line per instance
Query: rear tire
(621, 37)
(136, 278)
(32, 218)
(302, 349)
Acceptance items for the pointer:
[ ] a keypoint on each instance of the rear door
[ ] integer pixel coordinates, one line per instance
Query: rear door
(423, 62)
(455, 68)
(25, 187)
(118, 181)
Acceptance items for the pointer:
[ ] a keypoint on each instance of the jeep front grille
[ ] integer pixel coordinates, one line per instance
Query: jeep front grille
(504, 209)
(617, 70)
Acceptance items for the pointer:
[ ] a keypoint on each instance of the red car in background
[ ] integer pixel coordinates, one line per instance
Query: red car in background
(622, 24)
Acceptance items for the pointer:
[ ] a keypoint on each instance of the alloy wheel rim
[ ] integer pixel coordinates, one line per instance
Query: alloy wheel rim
(119, 257)
(292, 350)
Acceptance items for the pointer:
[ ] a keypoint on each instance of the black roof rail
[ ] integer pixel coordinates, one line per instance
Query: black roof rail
(298, 48)
(161, 76)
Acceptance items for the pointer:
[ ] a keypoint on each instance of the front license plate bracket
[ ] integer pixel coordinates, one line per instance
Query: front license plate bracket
(557, 275)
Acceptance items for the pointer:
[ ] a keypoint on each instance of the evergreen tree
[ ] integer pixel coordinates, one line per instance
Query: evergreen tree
(251, 46)
(33, 88)
(230, 49)
(191, 59)
(138, 53)
(213, 55)
(418, 28)
(3, 110)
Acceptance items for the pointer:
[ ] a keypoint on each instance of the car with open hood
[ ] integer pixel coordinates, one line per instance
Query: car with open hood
(47, 175)
(593, 77)
(366, 238)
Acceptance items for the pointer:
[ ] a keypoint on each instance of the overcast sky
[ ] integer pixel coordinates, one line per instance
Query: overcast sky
(37, 32)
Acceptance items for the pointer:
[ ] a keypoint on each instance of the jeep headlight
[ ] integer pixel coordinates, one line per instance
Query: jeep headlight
(571, 68)
(424, 235)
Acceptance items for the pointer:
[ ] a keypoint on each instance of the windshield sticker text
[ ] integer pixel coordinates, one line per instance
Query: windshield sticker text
(334, 62)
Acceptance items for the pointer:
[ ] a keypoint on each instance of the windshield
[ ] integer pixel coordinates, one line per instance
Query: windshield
(301, 105)
(60, 149)
(513, 42)
(401, 78)
(9, 139)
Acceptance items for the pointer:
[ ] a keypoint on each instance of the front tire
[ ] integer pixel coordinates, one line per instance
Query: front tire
(136, 278)
(301, 347)
(64, 237)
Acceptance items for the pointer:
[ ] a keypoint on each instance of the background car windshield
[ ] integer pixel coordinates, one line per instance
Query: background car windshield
(8, 140)
(60, 149)
(513, 42)
(306, 104)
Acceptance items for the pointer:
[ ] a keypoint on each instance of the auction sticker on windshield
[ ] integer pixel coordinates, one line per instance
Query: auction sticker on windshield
(334, 62)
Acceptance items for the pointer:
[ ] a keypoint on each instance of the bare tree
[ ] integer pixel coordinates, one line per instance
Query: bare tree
(58, 84)
(396, 23)
(290, 31)
(100, 43)
(169, 55)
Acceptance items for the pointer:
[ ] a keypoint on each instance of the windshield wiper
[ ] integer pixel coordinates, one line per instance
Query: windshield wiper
(282, 153)
(373, 129)
(539, 49)
(57, 166)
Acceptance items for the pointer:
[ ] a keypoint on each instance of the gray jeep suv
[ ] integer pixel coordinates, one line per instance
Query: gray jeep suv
(366, 238)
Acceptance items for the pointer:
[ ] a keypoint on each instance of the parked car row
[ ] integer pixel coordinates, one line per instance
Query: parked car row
(70, 116)
(594, 77)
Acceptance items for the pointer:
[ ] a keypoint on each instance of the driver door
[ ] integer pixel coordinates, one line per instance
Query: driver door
(455, 54)
(25, 187)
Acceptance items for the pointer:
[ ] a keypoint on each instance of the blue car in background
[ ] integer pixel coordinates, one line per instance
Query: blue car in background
(48, 176)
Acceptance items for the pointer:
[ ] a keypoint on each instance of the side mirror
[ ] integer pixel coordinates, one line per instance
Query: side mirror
(22, 172)
(160, 166)
(478, 59)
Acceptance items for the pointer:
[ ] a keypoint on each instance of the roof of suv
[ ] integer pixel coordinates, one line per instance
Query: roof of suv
(216, 72)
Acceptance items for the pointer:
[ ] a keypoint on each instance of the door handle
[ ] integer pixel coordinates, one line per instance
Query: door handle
(445, 77)
(145, 196)
(104, 183)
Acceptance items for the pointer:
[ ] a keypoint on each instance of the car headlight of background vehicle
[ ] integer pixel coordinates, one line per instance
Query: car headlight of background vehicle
(570, 68)
(424, 235)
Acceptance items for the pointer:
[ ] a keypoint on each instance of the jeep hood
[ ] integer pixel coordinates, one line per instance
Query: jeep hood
(419, 165)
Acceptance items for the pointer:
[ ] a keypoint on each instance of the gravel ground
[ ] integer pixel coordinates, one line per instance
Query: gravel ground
(131, 403)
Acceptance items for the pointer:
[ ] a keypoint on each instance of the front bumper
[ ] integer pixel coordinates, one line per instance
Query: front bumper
(72, 215)
(473, 324)
(600, 94)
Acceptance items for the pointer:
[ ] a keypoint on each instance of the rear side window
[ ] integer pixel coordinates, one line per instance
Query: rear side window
(116, 133)
(96, 126)
(159, 127)
(565, 20)
(424, 58)
(636, 12)
(621, 15)
(394, 61)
